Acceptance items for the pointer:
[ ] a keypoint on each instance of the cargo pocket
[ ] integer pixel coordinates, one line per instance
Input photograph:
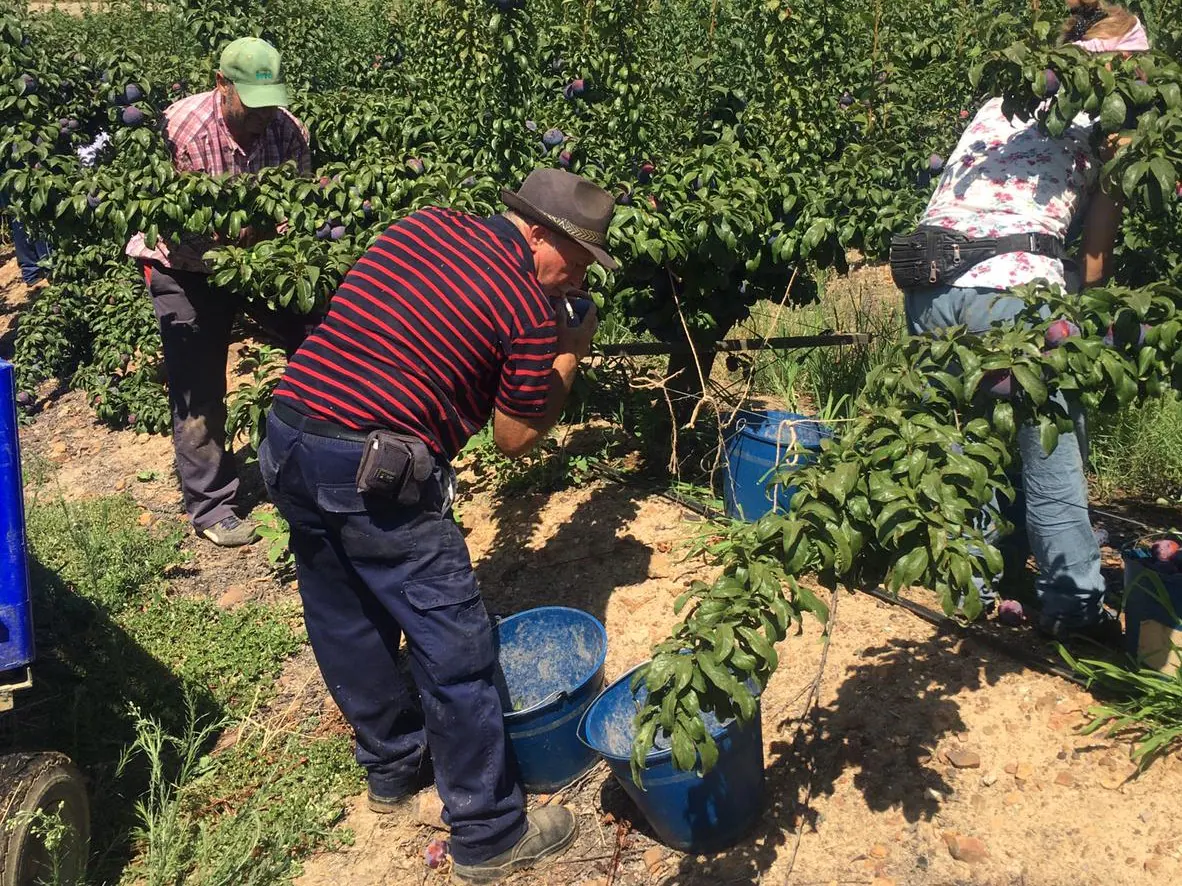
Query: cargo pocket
(452, 634)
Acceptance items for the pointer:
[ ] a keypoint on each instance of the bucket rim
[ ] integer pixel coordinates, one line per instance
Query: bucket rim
(653, 756)
(741, 428)
(555, 699)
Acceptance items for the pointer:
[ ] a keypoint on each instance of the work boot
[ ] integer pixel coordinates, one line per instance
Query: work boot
(230, 532)
(385, 802)
(548, 830)
(403, 803)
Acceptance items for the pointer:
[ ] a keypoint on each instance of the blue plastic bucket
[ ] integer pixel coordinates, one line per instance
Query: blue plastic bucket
(693, 813)
(551, 660)
(16, 619)
(1151, 630)
(756, 444)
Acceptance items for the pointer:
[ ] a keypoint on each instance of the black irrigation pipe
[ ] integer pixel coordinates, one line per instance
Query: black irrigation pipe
(936, 619)
(652, 349)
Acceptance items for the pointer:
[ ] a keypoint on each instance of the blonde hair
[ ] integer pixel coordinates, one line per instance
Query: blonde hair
(1117, 21)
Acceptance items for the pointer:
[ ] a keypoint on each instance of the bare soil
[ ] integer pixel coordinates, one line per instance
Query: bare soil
(924, 739)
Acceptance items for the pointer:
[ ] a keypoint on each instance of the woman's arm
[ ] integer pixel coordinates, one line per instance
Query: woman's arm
(1101, 223)
(1099, 236)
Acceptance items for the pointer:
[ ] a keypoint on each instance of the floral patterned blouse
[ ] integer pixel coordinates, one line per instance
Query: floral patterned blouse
(1007, 177)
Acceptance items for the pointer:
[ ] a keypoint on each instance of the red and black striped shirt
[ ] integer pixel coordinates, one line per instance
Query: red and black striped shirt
(439, 321)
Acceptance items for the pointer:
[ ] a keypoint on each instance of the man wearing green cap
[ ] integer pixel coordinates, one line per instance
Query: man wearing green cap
(239, 126)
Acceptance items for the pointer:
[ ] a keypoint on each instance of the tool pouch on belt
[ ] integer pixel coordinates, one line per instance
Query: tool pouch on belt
(934, 256)
(395, 465)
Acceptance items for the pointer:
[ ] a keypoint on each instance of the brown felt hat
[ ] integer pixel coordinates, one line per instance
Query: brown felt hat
(569, 204)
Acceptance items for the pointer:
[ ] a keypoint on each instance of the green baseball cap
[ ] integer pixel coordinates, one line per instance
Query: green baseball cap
(252, 65)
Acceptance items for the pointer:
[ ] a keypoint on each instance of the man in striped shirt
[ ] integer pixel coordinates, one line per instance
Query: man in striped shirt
(446, 321)
(239, 126)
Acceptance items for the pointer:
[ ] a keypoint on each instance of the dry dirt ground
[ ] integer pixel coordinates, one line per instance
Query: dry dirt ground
(924, 739)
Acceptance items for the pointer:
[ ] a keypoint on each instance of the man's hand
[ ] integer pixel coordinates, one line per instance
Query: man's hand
(575, 339)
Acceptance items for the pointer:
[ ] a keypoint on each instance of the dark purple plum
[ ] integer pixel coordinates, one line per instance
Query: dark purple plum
(132, 116)
(846, 99)
(28, 84)
(324, 231)
(132, 93)
(935, 162)
(531, 125)
(336, 232)
(998, 383)
(552, 138)
(24, 398)
(416, 165)
(1052, 81)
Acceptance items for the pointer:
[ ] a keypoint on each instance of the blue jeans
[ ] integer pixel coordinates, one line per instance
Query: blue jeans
(1069, 588)
(29, 253)
(369, 572)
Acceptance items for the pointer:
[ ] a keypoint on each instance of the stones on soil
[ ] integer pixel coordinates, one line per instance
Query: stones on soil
(430, 810)
(962, 758)
(967, 849)
(653, 856)
(233, 596)
(1065, 779)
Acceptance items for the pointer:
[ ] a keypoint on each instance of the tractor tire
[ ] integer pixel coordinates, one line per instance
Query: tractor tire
(49, 782)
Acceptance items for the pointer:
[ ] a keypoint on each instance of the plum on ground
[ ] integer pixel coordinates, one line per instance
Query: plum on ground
(1164, 549)
(435, 853)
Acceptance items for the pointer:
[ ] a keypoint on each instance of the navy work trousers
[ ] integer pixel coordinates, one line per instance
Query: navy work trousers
(371, 571)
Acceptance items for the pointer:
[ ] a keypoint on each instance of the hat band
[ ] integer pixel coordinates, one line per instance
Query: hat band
(582, 234)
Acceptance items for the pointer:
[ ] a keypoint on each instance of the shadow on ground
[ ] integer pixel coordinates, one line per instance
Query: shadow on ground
(580, 565)
(892, 708)
(91, 681)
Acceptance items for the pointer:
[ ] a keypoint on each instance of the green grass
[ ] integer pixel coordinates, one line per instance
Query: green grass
(1139, 450)
(825, 380)
(135, 684)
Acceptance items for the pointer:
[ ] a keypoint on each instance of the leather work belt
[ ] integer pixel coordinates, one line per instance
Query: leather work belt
(296, 419)
(399, 467)
(933, 256)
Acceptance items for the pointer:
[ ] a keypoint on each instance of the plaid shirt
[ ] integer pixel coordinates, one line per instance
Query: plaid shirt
(200, 142)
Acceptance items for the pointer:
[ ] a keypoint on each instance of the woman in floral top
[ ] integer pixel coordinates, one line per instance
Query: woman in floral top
(1008, 177)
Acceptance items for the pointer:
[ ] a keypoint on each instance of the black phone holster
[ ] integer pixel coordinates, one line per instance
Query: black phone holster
(394, 465)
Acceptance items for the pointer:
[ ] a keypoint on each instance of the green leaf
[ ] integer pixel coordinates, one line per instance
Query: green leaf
(1113, 112)
(1034, 386)
(1048, 434)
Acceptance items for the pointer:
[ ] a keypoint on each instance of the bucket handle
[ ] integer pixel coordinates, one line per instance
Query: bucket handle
(557, 695)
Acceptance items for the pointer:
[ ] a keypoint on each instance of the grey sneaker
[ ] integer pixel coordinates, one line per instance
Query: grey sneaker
(231, 533)
(548, 830)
